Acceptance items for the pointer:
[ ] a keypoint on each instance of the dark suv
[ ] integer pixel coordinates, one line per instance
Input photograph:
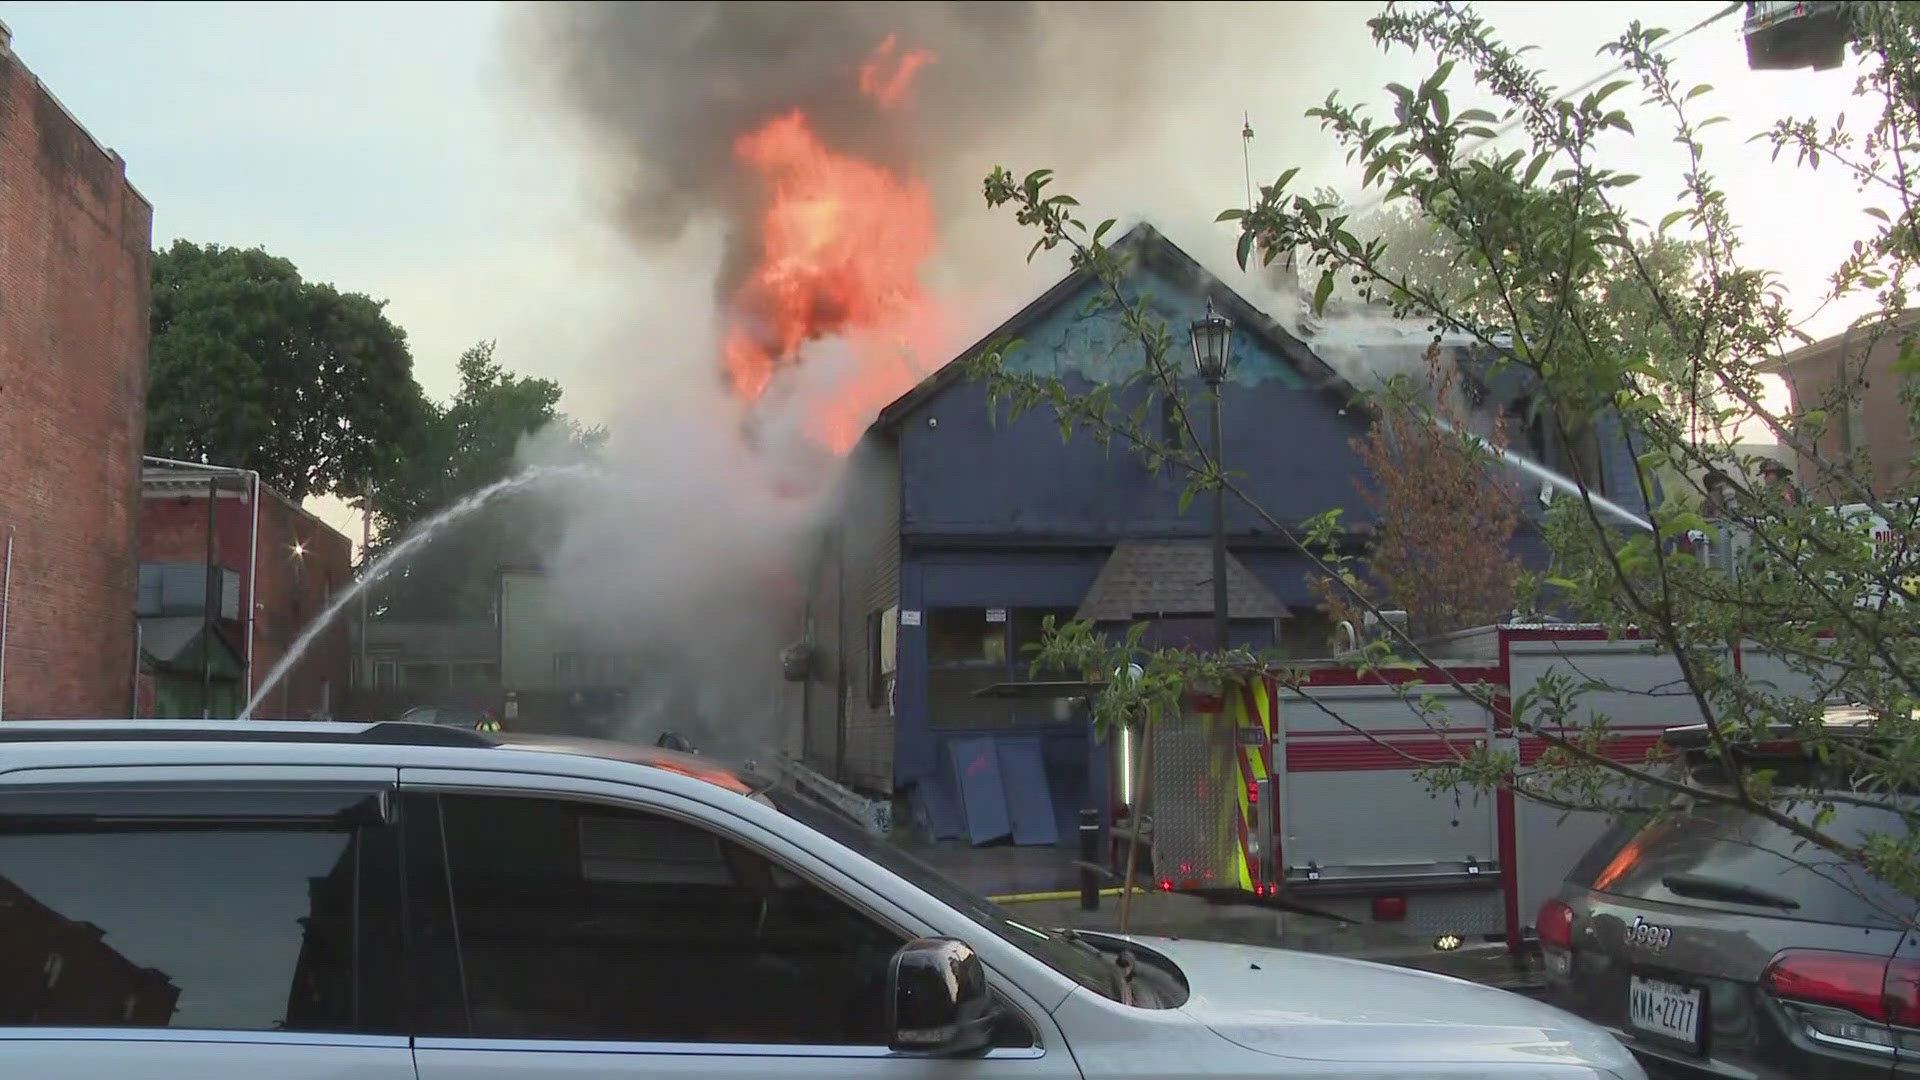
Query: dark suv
(1719, 944)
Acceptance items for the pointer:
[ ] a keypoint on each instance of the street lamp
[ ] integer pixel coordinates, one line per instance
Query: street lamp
(1212, 348)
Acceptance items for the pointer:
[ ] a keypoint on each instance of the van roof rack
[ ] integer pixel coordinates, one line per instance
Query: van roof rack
(385, 732)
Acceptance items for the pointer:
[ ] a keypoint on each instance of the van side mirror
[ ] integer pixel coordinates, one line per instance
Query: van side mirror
(937, 999)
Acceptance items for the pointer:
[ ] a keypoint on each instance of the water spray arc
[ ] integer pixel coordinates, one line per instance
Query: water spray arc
(422, 535)
(1563, 483)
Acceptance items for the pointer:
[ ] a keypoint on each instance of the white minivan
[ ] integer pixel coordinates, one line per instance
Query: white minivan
(184, 901)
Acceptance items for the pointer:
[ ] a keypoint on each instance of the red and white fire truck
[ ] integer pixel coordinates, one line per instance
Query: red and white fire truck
(1314, 795)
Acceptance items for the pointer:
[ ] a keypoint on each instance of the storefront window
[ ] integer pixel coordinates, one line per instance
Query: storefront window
(970, 649)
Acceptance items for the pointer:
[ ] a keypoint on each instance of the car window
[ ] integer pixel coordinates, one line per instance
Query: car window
(1050, 947)
(239, 928)
(1693, 858)
(571, 920)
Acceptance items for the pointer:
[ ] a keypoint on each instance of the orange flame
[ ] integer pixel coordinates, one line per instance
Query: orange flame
(890, 88)
(842, 244)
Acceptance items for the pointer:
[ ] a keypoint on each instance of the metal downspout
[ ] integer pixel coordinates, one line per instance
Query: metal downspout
(209, 598)
(253, 565)
(139, 643)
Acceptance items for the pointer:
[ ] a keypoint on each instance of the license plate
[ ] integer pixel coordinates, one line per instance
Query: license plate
(1665, 1009)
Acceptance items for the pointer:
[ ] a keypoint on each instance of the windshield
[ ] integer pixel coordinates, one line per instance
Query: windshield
(1079, 962)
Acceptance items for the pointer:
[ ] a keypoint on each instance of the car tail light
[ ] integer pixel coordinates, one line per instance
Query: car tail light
(1389, 909)
(1870, 986)
(1556, 925)
(1884, 994)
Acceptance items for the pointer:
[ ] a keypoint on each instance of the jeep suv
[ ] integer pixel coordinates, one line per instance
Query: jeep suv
(1720, 944)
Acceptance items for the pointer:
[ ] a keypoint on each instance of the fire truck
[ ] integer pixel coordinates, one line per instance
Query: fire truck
(1311, 795)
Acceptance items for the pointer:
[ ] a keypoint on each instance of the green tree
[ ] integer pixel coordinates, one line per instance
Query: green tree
(255, 367)
(1445, 517)
(475, 440)
(1561, 283)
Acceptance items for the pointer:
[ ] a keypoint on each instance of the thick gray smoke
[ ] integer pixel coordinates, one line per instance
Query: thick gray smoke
(672, 85)
(1137, 106)
(698, 552)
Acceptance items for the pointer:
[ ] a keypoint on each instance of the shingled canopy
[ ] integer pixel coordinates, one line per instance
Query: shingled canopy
(1145, 578)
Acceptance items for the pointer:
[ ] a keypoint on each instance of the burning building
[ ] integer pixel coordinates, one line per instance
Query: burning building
(831, 144)
(963, 529)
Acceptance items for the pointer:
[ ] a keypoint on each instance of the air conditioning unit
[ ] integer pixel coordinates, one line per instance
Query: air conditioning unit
(1375, 629)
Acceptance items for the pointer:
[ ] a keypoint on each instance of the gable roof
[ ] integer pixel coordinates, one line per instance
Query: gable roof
(1148, 248)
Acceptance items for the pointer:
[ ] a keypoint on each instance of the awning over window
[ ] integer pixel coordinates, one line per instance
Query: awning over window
(1147, 578)
(174, 643)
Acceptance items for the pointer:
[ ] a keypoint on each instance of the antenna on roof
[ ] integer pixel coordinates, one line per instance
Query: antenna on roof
(1246, 154)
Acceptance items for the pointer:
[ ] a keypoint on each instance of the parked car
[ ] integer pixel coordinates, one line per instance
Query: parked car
(1716, 943)
(451, 716)
(408, 902)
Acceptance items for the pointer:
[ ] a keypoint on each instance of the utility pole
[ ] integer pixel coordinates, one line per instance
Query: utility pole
(1221, 622)
(1212, 355)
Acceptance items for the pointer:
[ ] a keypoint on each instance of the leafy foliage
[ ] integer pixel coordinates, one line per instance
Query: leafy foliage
(254, 367)
(1655, 329)
(461, 447)
(1442, 551)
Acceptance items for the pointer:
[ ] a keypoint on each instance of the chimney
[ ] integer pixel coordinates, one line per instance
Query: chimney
(6, 37)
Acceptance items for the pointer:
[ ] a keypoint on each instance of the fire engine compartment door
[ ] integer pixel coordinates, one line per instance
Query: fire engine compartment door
(1353, 807)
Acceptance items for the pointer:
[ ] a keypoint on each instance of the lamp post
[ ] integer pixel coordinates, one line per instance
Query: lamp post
(1212, 346)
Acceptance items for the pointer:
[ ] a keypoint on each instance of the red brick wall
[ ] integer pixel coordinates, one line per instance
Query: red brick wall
(1815, 378)
(74, 241)
(291, 589)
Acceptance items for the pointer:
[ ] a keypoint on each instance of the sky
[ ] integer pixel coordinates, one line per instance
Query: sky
(407, 151)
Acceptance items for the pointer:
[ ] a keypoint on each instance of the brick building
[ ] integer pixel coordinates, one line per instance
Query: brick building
(1851, 377)
(275, 571)
(74, 242)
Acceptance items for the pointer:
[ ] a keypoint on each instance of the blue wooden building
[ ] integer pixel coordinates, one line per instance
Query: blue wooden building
(964, 529)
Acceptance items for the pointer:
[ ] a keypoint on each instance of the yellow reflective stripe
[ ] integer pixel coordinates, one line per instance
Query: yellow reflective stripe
(1263, 714)
(1243, 873)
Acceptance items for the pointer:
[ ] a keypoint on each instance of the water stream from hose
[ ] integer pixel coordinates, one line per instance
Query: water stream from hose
(1563, 483)
(422, 535)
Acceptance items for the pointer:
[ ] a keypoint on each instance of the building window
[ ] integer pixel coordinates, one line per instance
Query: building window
(423, 676)
(386, 675)
(969, 649)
